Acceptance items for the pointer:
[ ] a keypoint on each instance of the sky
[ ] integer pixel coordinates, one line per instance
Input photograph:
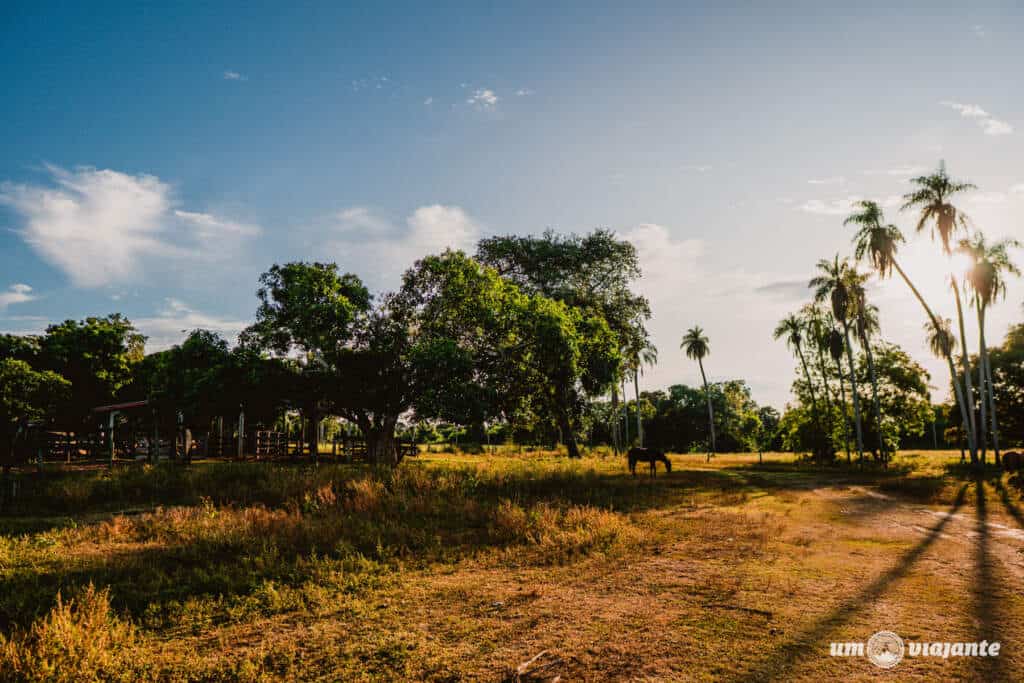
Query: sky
(156, 158)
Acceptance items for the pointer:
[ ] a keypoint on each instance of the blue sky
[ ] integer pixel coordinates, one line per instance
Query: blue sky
(157, 158)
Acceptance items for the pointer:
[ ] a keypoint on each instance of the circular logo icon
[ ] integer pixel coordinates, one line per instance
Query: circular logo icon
(885, 649)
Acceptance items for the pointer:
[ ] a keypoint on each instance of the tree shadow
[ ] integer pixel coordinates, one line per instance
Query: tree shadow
(780, 662)
(985, 606)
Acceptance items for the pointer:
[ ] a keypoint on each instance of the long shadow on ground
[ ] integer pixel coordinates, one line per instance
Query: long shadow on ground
(779, 663)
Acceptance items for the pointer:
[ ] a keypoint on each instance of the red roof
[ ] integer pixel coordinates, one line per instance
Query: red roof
(120, 406)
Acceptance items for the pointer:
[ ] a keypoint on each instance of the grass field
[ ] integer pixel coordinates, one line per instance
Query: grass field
(460, 567)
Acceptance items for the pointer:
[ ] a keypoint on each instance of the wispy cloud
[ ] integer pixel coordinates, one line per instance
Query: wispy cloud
(899, 171)
(696, 168)
(483, 99)
(979, 31)
(371, 83)
(17, 293)
(785, 290)
(844, 206)
(524, 92)
(97, 225)
(173, 322)
(429, 101)
(835, 180)
(988, 124)
(234, 76)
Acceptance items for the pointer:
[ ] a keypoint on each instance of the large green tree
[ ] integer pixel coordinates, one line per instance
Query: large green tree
(307, 310)
(96, 356)
(591, 274)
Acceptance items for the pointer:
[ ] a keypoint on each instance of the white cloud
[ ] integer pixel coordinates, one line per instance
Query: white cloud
(835, 180)
(979, 31)
(429, 101)
(208, 226)
(374, 247)
(177, 319)
(831, 207)
(899, 171)
(523, 92)
(696, 168)
(98, 225)
(988, 124)
(17, 293)
(483, 99)
(1017, 189)
(234, 76)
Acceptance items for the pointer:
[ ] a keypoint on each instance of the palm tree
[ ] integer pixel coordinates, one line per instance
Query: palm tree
(697, 347)
(988, 283)
(836, 348)
(792, 328)
(932, 200)
(878, 243)
(866, 318)
(644, 354)
(942, 343)
(833, 284)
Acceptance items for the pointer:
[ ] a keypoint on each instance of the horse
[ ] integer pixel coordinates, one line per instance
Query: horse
(648, 455)
(1013, 460)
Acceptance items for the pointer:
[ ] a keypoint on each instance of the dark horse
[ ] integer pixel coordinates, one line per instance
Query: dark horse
(648, 455)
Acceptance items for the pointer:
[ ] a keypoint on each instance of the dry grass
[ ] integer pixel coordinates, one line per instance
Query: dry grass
(459, 567)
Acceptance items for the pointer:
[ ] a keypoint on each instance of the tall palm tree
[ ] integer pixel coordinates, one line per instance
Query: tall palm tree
(988, 283)
(697, 347)
(866, 317)
(792, 328)
(878, 243)
(833, 284)
(836, 348)
(931, 199)
(644, 354)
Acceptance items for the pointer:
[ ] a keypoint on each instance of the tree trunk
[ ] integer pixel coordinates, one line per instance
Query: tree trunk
(314, 432)
(625, 414)
(615, 419)
(565, 424)
(823, 368)
(810, 386)
(965, 363)
(874, 398)
(968, 424)
(991, 398)
(982, 392)
(958, 393)
(842, 410)
(856, 397)
(639, 422)
(711, 411)
(988, 387)
(381, 445)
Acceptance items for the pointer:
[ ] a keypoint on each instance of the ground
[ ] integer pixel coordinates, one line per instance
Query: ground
(462, 567)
